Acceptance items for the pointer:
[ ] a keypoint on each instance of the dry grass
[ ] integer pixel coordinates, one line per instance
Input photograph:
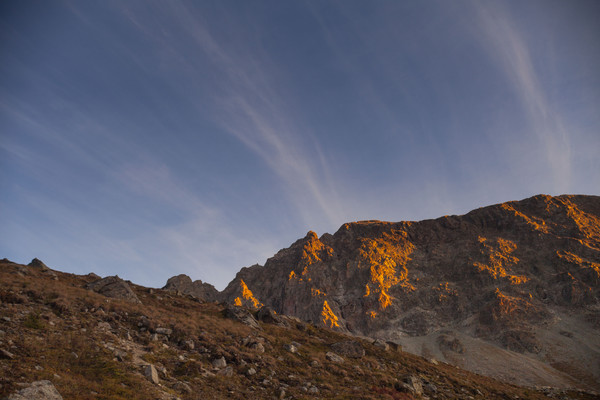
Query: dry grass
(53, 331)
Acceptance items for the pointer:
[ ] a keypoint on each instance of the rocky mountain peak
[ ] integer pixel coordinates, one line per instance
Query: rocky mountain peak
(506, 274)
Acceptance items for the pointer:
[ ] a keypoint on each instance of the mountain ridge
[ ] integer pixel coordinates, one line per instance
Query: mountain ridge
(508, 276)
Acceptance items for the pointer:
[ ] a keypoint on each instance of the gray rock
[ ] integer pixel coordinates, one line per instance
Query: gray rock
(381, 344)
(39, 390)
(227, 371)
(182, 387)
(151, 373)
(313, 390)
(413, 384)
(258, 347)
(349, 348)
(242, 315)
(251, 371)
(104, 326)
(291, 348)
(120, 355)
(395, 346)
(189, 344)
(164, 331)
(114, 287)
(219, 362)
(268, 315)
(6, 354)
(333, 357)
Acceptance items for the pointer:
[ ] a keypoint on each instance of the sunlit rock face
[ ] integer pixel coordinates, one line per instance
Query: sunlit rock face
(392, 279)
(499, 273)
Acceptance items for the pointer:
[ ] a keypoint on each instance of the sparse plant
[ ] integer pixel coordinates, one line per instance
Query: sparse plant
(33, 321)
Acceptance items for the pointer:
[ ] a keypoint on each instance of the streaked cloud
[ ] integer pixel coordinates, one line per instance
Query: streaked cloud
(507, 45)
(255, 112)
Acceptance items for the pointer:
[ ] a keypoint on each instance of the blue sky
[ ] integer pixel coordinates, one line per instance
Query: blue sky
(152, 138)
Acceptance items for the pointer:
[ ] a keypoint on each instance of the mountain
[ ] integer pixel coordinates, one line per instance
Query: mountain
(65, 336)
(510, 290)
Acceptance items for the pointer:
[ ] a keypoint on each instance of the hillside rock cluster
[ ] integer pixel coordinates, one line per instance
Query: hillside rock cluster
(516, 283)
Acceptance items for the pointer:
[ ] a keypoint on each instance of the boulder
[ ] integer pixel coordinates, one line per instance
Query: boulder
(268, 315)
(182, 387)
(219, 362)
(114, 287)
(291, 348)
(395, 346)
(39, 390)
(333, 357)
(411, 384)
(242, 315)
(151, 373)
(259, 347)
(198, 289)
(381, 344)
(227, 371)
(6, 354)
(163, 331)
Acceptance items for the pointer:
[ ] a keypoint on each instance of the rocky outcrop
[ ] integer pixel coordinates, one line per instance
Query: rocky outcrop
(502, 264)
(183, 283)
(37, 263)
(115, 287)
(242, 315)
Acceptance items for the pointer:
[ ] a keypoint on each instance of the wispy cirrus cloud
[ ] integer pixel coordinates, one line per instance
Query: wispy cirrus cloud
(252, 110)
(508, 46)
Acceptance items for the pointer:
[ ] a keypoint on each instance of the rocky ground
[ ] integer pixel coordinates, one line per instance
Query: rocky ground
(83, 337)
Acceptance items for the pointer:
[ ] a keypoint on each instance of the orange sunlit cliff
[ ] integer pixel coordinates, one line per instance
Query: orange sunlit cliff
(501, 274)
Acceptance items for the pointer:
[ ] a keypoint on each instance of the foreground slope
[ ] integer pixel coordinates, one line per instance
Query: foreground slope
(91, 338)
(510, 290)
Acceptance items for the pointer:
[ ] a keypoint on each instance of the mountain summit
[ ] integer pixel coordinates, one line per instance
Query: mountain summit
(515, 284)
